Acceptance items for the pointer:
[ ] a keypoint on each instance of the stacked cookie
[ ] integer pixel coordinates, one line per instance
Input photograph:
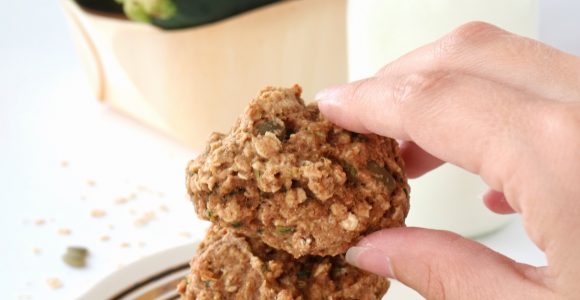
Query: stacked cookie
(288, 192)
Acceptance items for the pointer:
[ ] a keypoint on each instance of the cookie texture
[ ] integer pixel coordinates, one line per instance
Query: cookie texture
(230, 266)
(287, 176)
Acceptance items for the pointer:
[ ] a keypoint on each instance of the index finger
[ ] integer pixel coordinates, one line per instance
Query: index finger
(475, 123)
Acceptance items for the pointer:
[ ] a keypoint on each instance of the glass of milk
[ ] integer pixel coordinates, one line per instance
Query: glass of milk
(380, 31)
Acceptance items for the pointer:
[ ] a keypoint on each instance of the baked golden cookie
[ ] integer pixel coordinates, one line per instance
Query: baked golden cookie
(230, 266)
(286, 175)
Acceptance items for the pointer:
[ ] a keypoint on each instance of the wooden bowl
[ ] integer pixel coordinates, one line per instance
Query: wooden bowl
(191, 82)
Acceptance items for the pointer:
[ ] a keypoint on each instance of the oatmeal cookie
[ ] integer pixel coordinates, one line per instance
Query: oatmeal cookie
(286, 175)
(230, 266)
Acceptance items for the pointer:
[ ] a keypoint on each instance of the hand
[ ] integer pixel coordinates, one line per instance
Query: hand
(496, 104)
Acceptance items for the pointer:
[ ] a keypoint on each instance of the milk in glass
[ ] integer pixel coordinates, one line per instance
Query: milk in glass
(380, 31)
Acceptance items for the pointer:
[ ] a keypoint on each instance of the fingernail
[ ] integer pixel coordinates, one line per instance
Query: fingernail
(327, 95)
(371, 260)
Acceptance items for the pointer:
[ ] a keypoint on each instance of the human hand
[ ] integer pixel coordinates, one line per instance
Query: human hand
(496, 104)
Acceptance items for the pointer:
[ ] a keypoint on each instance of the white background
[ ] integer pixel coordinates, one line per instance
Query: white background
(48, 116)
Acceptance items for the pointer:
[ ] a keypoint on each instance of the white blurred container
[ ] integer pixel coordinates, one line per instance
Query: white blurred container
(380, 31)
(190, 82)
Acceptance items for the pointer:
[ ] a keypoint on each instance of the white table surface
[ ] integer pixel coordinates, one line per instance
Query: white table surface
(64, 155)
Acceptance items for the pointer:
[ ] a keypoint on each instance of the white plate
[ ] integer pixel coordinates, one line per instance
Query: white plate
(153, 277)
(156, 277)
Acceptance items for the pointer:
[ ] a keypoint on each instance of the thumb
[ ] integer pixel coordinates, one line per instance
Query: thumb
(444, 265)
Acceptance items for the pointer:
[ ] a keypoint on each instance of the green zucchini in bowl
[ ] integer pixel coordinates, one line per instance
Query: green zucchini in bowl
(173, 14)
(108, 6)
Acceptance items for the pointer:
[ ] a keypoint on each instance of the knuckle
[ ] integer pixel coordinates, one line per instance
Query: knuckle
(414, 94)
(358, 89)
(560, 122)
(411, 88)
(559, 125)
(435, 288)
(475, 29)
(387, 69)
(463, 38)
(443, 279)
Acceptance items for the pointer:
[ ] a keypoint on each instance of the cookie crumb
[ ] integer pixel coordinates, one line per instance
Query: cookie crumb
(121, 200)
(145, 219)
(105, 238)
(36, 250)
(98, 213)
(40, 222)
(125, 245)
(91, 183)
(54, 283)
(63, 163)
(64, 231)
(164, 208)
(185, 234)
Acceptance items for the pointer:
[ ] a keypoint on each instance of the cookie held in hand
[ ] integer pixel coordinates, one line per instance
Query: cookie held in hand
(286, 175)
